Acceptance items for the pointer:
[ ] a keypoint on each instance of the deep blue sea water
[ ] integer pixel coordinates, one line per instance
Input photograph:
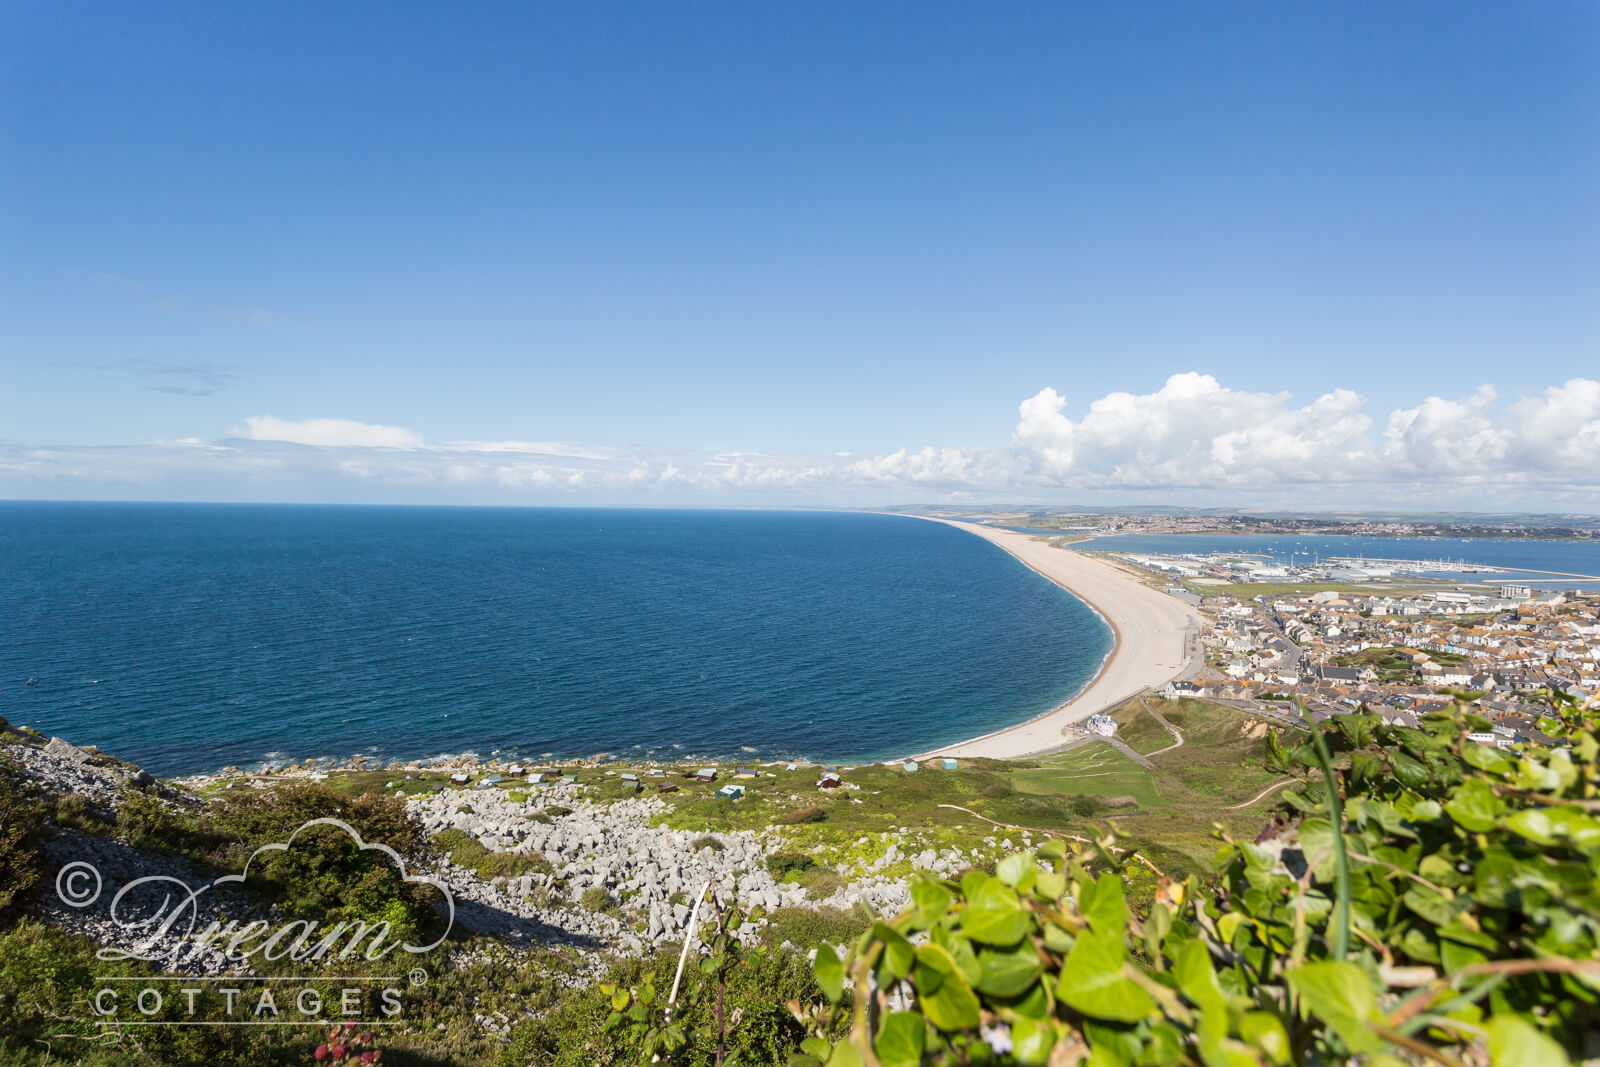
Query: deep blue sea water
(1516, 556)
(188, 637)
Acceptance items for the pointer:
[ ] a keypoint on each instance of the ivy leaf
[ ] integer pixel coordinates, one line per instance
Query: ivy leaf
(1340, 995)
(1515, 1043)
(931, 899)
(898, 954)
(1092, 981)
(829, 970)
(1265, 1031)
(845, 1054)
(1485, 758)
(1102, 903)
(1008, 973)
(945, 997)
(1014, 869)
(996, 919)
(1474, 806)
(900, 1040)
(1031, 1041)
(1197, 980)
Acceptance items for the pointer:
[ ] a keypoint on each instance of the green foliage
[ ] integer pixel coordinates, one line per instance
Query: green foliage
(467, 851)
(808, 927)
(1446, 908)
(1086, 806)
(556, 811)
(707, 841)
(597, 900)
(20, 838)
(801, 816)
(783, 864)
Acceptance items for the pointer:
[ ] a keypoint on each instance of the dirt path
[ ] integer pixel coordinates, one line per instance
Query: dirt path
(1171, 729)
(1258, 796)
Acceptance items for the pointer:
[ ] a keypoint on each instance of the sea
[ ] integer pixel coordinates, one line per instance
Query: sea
(1542, 564)
(188, 637)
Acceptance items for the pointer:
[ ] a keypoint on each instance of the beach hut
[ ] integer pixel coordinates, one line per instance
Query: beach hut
(731, 792)
(910, 764)
(706, 774)
(458, 778)
(948, 764)
(743, 772)
(666, 787)
(487, 782)
(567, 779)
(631, 781)
(536, 778)
(656, 772)
(791, 766)
(515, 770)
(829, 780)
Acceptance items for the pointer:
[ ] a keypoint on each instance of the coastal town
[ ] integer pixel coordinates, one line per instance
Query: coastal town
(1396, 645)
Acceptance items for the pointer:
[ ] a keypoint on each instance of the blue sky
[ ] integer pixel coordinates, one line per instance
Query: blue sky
(670, 253)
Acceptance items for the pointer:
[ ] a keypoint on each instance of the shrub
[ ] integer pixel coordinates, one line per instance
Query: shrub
(1434, 914)
(21, 835)
(998, 791)
(74, 810)
(557, 811)
(809, 927)
(707, 841)
(821, 882)
(783, 864)
(467, 851)
(597, 899)
(1086, 806)
(801, 816)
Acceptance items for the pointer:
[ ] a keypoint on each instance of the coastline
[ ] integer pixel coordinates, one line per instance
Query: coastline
(1149, 632)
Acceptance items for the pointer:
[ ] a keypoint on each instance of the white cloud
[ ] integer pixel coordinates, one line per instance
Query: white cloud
(1195, 433)
(1191, 440)
(538, 448)
(327, 433)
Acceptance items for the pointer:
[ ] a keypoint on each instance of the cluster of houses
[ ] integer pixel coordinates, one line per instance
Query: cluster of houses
(1311, 648)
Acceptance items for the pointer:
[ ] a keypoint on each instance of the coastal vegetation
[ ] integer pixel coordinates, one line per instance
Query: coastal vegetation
(1411, 895)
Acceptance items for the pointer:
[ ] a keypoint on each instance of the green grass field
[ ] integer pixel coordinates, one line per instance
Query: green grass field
(1172, 806)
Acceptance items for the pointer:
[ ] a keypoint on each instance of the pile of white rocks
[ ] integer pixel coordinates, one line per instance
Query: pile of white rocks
(65, 768)
(653, 872)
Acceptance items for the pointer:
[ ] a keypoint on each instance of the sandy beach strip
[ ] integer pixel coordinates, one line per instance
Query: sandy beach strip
(1149, 628)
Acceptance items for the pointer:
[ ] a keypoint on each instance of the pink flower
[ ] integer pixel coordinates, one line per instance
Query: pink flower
(321, 1053)
(338, 1052)
(369, 1057)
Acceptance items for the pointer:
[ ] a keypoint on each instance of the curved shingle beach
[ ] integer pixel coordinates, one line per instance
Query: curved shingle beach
(1150, 628)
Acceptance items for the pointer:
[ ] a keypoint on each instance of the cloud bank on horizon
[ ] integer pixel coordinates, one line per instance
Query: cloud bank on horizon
(1192, 439)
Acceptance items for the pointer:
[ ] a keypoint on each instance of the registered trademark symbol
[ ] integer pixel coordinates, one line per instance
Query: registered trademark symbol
(419, 977)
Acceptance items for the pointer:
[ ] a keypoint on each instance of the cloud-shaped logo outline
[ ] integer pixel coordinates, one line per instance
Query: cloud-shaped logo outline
(355, 835)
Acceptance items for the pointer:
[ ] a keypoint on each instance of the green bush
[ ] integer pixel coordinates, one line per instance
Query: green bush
(783, 864)
(21, 835)
(557, 811)
(801, 816)
(809, 927)
(597, 899)
(467, 851)
(707, 841)
(1087, 806)
(821, 882)
(572, 1033)
(1447, 910)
